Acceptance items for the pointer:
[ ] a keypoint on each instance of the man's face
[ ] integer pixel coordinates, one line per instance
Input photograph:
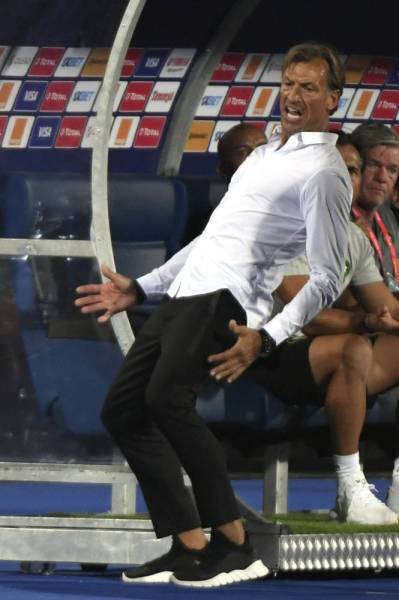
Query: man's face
(245, 143)
(305, 98)
(354, 163)
(381, 170)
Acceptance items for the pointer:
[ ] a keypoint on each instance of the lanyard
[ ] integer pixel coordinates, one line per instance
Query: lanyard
(387, 239)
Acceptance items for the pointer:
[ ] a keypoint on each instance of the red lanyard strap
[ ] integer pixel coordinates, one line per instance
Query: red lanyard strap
(373, 239)
(389, 243)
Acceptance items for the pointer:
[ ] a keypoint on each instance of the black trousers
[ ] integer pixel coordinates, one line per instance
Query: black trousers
(150, 412)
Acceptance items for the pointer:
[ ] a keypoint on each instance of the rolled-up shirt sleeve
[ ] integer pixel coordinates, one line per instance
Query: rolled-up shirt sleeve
(325, 204)
(157, 282)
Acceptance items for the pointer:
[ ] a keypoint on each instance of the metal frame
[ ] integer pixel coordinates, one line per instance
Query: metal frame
(101, 234)
(118, 476)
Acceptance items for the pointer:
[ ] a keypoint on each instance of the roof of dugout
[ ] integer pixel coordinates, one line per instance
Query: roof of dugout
(183, 23)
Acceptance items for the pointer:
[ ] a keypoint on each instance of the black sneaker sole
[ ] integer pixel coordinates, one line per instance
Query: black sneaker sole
(161, 577)
(256, 570)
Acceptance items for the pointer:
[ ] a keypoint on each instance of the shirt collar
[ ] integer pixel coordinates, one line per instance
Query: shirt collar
(306, 138)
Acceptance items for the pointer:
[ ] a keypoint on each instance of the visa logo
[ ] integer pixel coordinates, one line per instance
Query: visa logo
(218, 135)
(210, 100)
(83, 96)
(31, 95)
(72, 61)
(152, 63)
(45, 132)
(342, 102)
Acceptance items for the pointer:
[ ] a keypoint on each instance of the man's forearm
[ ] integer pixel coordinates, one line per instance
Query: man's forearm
(333, 321)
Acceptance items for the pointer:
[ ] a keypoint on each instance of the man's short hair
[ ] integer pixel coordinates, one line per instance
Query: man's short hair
(368, 135)
(309, 51)
(345, 139)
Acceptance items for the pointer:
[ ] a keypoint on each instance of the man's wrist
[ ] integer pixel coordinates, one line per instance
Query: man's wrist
(268, 344)
(140, 293)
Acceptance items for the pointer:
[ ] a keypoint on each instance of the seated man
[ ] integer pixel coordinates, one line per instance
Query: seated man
(379, 313)
(235, 146)
(379, 148)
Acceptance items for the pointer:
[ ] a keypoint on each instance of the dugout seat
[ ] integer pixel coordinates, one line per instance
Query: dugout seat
(71, 364)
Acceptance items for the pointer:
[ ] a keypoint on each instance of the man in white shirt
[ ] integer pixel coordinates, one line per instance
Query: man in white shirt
(271, 212)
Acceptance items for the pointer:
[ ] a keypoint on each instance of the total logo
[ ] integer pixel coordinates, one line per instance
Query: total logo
(228, 67)
(46, 62)
(135, 96)
(237, 101)
(57, 96)
(132, 96)
(149, 132)
(387, 105)
(71, 132)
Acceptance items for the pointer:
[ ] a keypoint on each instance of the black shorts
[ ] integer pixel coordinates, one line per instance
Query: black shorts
(287, 374)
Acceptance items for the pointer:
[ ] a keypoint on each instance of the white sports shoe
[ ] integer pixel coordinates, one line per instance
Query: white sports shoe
(393, 498)
(356, 503)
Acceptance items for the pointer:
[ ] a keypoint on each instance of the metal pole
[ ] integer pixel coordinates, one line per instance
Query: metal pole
(172, 151)
(100, 231)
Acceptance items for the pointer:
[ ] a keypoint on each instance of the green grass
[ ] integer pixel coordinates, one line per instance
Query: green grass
(310, 522)
(306, 522)
(62, 515)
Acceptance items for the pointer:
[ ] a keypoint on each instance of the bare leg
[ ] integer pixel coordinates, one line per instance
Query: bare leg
(344, 360)
(195, 538)
(384, 371)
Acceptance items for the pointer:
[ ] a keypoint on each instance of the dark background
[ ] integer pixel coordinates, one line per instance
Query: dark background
(351, 26)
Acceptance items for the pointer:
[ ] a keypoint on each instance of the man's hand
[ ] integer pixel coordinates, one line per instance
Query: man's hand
(233, 362)
(114, 296)
(382, 322)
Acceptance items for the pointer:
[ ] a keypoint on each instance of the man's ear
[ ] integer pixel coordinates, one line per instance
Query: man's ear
(333, 100)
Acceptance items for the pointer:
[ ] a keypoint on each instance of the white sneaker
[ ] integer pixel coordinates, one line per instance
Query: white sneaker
(393, 498)
(356, 503)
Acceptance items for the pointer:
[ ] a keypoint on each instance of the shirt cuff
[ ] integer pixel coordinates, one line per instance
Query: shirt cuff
(151, 284)
(275, 331)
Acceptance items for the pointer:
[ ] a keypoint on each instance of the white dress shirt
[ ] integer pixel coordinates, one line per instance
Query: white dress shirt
(281, 202)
